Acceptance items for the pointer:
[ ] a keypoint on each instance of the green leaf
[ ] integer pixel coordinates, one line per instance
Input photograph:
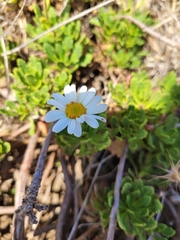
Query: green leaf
(95, 22)
(67, 43)
(76, 53)
(10, 104)
(141, 134)
(85, 60)
(97, 204)
(169, 81)
(50, 53)
(165, 230)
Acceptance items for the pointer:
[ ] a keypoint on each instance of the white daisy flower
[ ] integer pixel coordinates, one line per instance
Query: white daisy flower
(73, 109)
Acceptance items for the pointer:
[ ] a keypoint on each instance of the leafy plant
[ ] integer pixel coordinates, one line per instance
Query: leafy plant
(121, 41)
(65, 48)
(137, 209)
(146, 118)
(91, 141)
(61, 53)
(32, 88)
(164, 137)
(142, 94)
(132, 123)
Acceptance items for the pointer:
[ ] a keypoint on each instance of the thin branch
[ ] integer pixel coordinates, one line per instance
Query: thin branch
(80, 15)
(89, 232)
(153, 33)
(119, 175)
(90, 165)
(24, 170)
(66, 202)
(29, 202)
(87, 196)
(75, 193)
(6, 65)
(20, 130)
(46, 173)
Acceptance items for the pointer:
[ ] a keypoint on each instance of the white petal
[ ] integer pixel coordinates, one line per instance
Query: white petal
(91, 121)
(99, 118)
(81, 119)
(94, 101)
(60, 125)
(83, 89)
(57, 104)
(70, 93)
(81, 94)
(54, 115)
(92, 90)
(67, 89)
(78, 129)
(97, 109)
(71, 126)
(60, 98)
(90, 94)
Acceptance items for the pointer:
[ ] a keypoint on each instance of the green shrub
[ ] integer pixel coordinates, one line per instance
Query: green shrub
(61, 52)
(137, 210)
(121, 41)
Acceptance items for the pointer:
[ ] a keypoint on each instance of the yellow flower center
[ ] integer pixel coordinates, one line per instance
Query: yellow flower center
(74, 110)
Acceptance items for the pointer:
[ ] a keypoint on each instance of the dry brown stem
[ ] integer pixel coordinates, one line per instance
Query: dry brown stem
(119, 176)
(24, 170)
(6, 65)
(29, 202)
(67, 199)
(100, 164)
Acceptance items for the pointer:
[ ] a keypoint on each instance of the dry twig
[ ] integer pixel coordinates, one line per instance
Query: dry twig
(119, 175)
(24, 170)
(6, 65)
(46, 173)
(20, 130)
(89, 231)
(66, 202)
(87, 196)
(29, 202)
